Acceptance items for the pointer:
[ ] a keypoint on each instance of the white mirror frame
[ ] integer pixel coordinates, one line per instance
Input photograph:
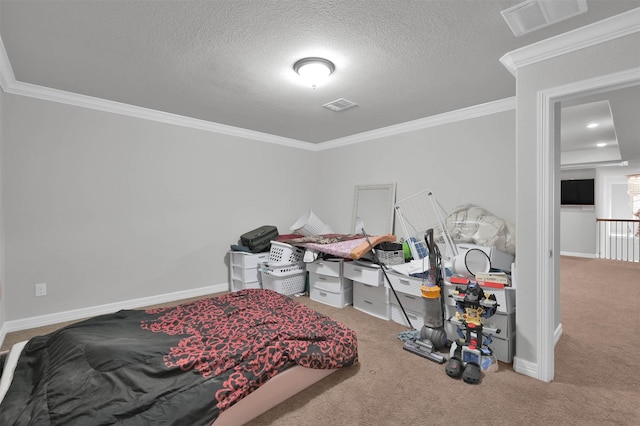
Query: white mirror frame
(374, 205)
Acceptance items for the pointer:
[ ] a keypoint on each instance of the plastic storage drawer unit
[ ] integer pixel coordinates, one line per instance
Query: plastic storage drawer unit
(371, 299)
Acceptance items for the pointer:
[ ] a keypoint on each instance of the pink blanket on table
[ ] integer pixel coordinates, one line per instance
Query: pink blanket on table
(350, 246)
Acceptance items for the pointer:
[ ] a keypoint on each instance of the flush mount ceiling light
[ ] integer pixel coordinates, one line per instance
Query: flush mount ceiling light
(314, 70)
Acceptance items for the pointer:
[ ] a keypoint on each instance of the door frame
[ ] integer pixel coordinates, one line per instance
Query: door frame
(547, 257)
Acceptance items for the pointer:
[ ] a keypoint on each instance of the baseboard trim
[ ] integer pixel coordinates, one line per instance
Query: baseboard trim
(557, 334)
(3, 333)
(573, 254)
(76, 314)
(529, 368)
(525, 367)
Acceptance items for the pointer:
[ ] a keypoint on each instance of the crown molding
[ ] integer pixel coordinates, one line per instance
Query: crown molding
(83, 101)
(10, 85)
(488, 108)
(7, 77)
(599, 32)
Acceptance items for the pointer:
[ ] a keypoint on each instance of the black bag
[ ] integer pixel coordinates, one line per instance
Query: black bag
(259, 240)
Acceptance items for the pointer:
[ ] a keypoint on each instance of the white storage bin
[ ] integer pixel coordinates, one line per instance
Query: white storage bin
(503, 349)
(372, 292)
(247, 260)
(243, 269)
(406, 284)
(338, 300)
(447, 292)
(331, 267)
(409, 301)
(506, 323)
(329, 283)
(236, 284)
(506, 297)
(250, 274)
(285, 253)
(360, 272)
(416, 318)
(284, 279)
(373, 300)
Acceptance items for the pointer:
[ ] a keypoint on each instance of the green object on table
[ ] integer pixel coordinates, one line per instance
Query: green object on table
(407, 250)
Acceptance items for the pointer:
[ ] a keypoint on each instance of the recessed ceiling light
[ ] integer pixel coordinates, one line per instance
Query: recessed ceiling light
(592, 125)
(601, 144)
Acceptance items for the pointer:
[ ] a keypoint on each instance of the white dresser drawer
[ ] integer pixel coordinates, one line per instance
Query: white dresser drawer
(447, 293)
(416, 318)
(245, 274)
(406, 284)
(409, 301)
(338, 300)
(328, 283)
(503, 349)
(332, 267)
(236, 284)
(369, 305)
(505, 323)
(371, 275)
(247, 260)
(371, 292)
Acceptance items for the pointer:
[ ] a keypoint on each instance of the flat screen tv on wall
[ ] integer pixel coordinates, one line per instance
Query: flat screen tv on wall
(577, 192)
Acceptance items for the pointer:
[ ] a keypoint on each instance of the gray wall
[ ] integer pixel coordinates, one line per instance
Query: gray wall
(105, 208)
(470, 161)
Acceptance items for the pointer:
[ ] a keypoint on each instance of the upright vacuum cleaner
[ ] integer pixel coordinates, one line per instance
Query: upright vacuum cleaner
(432, 335)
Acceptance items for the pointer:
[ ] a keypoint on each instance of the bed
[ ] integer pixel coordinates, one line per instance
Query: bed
(221, 360)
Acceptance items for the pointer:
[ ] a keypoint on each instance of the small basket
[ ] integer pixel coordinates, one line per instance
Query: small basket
(285, 253)
(284, 279)
(390, 253)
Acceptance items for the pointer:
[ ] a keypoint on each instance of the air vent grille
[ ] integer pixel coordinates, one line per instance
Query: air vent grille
(339, 105)
(532, 15)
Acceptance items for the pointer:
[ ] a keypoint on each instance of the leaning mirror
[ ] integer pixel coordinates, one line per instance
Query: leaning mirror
(374, 205)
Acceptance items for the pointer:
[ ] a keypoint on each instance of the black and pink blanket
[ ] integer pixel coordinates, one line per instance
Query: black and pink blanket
(179, 365)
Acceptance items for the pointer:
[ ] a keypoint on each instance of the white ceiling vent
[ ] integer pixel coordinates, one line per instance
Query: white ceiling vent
(339, 105)
(532, 15)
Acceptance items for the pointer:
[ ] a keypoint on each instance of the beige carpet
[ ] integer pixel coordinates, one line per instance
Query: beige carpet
(597, 380)
(596, 372)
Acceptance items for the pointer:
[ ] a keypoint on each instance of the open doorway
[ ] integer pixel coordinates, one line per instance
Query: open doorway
(599, 136)
(548, 153)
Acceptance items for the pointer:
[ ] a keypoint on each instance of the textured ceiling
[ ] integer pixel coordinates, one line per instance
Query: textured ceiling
(230, 62)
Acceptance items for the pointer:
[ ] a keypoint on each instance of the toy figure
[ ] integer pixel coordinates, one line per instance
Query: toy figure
(470, 354)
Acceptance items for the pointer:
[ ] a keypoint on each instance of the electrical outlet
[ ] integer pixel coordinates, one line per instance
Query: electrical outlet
(41, 289)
